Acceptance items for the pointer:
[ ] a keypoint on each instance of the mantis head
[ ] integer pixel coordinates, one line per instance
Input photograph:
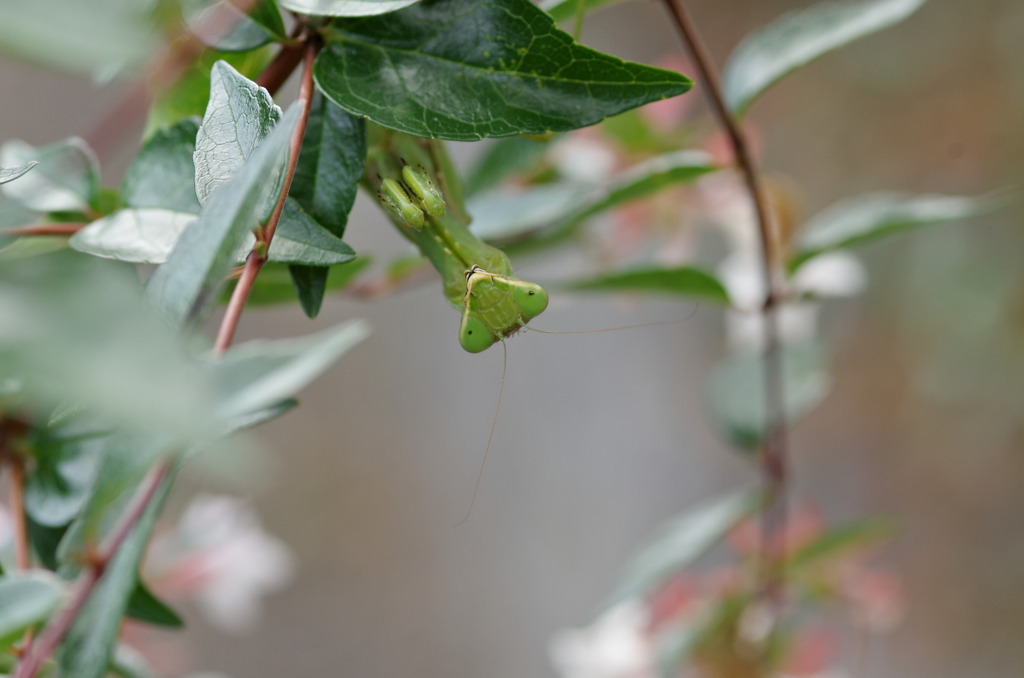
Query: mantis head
(495, 307)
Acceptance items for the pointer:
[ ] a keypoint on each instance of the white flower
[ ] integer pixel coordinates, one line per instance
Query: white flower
(614, 646)
(224, 557)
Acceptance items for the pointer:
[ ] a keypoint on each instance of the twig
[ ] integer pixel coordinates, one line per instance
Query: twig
(21, 557)
(44, 229)
(258, 256)
(283, 65)
(54, 632)
(774, 449)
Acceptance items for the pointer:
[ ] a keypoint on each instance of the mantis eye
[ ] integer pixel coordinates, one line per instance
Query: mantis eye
(531, 298)
(474, 335)
(396, 201)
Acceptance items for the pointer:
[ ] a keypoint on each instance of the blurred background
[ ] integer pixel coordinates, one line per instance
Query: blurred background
(602, 437)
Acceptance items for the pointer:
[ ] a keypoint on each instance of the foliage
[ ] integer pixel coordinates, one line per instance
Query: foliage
(109, 385)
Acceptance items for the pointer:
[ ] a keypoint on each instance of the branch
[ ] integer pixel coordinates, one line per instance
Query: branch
(43, 229)
(21, 556)
(55, 631)
(774, 451)
(258, 256)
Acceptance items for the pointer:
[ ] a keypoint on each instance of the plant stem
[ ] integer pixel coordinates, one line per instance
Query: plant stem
(283, 65)
(54, 632)
(44, 229)
(774, 448)
(258, 256)
(21, 556)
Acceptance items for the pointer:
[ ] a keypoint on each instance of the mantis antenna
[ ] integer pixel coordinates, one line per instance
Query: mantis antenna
(659, 323)
(490, 436)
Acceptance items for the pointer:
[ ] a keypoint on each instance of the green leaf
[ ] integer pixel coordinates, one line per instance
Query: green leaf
(838, 541)
(148, 236)
(682, 280)
(738, 391)
(300, 240)
(128, 662)
(45, 541)
(345, 7)
(195, 271)
(144, 606)
(479, 68)
(66, 180)
(276, 284)
(651, 176)
(239, 115)
(142, 236)
(126, 458)
(311, 285)
(554, 210)
(865, 218)
(61, 478)
(263, 416)
(84, 334)
(259, 374)
(798, 38)
(26, 599)
(163, 173)
(681, 542)
(12, 173)
(508, 216)
(88, 647)
(206, 18)
(502, 159)
(190, 94)
(330, 165)
(563, 10)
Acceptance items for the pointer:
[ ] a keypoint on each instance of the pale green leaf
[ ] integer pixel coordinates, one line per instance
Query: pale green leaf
(738, 391)
(680, 542)
(26, 600)
(98, 37)
(345, 7)
(865, 218)
(563, 10)
(259, 374)
(556, 209)
(798, 38)
(682, 281)
(238, 116)
(196, 269)
(89, 645)
(12, 173)
(67, 178)
(143, 236)
(207, 18)
(148, 236)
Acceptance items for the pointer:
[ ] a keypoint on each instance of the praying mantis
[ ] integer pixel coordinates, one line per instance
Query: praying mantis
(413, 180)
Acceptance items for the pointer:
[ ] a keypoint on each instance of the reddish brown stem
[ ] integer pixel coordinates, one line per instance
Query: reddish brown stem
(44, 229)
(21, 555)
(281, 68)
(55, 631)
(774, 451)
(258, 256)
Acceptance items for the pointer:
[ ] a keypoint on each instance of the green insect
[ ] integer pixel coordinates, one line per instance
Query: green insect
(413, 180)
